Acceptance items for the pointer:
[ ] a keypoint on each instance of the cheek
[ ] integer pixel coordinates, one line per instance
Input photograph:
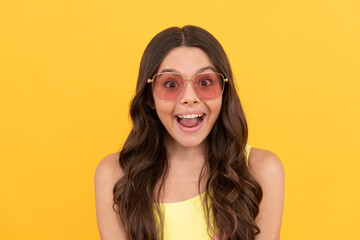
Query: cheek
(216, 108)
(164, 111)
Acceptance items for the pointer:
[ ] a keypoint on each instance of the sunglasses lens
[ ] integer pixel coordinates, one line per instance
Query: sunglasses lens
(209, 85)
(167, 86)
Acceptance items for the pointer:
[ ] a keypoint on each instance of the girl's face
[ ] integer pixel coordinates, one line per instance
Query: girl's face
(188, 119)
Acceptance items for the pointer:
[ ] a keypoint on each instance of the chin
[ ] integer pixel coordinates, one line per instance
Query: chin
(191, 143)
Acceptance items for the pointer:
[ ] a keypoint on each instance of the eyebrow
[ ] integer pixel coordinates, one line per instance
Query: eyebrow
(197, 72)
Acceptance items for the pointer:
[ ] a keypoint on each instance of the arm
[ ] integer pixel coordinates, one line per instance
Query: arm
(106, 175)
(268, 170)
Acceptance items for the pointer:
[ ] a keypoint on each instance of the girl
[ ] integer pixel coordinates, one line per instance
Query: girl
(185, 170)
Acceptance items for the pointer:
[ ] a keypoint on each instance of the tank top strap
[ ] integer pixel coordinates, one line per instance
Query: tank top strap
(247, 153)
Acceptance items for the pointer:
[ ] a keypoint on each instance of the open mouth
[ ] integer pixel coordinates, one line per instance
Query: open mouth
(191, 120)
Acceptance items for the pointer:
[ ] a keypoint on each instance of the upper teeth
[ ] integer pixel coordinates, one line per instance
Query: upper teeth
(190, 116)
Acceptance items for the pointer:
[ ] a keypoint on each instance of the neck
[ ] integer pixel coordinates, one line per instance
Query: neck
(185, 162)
(179, 153)
(185, 167)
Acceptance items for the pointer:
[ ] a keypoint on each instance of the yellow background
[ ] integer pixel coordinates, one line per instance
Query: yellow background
(68, 71)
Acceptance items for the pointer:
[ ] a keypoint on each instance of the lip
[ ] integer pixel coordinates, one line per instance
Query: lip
(193, 129)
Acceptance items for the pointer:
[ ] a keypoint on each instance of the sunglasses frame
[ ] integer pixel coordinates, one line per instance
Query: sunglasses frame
(151, 80)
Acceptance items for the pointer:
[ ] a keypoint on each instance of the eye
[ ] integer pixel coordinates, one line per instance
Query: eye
(204, 82)
(171, 84)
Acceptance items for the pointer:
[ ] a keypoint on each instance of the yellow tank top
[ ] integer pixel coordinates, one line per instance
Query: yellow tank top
(186, 219)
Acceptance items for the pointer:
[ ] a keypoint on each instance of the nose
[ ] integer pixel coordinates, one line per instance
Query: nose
(189, 95)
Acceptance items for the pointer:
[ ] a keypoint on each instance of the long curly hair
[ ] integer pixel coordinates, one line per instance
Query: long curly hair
(232, 195)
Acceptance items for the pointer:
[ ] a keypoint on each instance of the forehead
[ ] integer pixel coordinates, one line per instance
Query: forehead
(185, 60)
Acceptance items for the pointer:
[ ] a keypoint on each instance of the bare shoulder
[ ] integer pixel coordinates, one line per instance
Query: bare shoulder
(107, 173)
(108, 168)
(264, 164)
(268, 170)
